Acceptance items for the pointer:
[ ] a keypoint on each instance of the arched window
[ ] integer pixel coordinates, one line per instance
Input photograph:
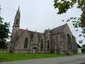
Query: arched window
(26, 42)
(69, 42)
(48, 45)
(41, 44)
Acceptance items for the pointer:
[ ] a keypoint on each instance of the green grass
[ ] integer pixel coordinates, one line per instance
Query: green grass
(12, 57)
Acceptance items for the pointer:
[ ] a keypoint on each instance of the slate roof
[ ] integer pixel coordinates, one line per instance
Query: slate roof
(57, 29)
(31, 33)
(52, 31)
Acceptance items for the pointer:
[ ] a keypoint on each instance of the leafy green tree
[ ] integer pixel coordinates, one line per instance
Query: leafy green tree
(64, 5)
(4, 33)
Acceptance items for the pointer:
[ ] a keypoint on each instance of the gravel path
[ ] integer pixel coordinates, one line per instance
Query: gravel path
(78, 59)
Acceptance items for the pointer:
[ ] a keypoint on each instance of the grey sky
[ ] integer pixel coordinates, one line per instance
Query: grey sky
(36, 14)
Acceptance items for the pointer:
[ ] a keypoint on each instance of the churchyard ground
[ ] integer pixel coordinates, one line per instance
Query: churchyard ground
(75, 59)
(5, 56)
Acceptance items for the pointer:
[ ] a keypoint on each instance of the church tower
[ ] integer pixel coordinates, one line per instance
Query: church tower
(15, 28)
(16, 24)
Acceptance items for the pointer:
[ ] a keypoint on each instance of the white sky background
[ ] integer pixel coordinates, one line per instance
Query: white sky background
(37, 14)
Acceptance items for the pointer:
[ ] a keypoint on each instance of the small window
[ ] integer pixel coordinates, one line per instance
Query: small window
(41, 44)
(60, 41)
(48, 44)
(17, 20)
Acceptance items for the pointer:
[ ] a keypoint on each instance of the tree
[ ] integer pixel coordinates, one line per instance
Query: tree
(4, 33)
(83, 46)
(64, 5)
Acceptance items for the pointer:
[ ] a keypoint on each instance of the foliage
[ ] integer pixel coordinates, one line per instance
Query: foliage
(64, 5)
(80, 41)
(83, 46)
(4, 31)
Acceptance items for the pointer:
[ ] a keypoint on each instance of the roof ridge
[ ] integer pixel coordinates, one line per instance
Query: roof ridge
(59, 26)
(58, 29)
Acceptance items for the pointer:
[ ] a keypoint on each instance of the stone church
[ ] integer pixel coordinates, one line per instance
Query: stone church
(57, 40)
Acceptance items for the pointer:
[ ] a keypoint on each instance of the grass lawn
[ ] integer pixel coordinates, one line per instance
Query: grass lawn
(12, 57)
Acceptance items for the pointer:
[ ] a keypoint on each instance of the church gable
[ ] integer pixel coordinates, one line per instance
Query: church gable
(23, 37)
(35, 38)
(23, 33)
(67, 30)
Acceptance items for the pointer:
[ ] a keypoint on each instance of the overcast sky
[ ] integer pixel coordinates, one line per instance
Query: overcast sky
(37, 14)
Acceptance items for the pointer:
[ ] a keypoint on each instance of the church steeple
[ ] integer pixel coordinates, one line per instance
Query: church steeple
(17, 18)
(16, 26)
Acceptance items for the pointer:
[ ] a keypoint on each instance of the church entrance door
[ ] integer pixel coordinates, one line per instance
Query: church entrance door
(34, 49)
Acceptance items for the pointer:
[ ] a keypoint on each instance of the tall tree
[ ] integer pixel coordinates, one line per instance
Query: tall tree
(4, 31)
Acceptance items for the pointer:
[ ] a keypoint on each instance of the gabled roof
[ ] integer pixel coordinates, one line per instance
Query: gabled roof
(58, 29)
(52, 31)
(31, 33)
